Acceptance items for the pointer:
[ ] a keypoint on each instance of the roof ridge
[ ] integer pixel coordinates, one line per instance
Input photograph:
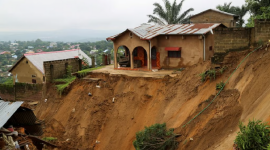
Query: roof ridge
(50, 52)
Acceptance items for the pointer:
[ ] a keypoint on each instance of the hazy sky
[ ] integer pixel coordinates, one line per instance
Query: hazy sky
(44, 15)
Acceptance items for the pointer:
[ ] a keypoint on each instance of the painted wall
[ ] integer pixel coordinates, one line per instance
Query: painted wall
(26, 71)
(214, 17)
(191, 50)
(131, 42)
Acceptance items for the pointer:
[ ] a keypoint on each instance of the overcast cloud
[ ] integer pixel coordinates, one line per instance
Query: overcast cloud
(49, 15)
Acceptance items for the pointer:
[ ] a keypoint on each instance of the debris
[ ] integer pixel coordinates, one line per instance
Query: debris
(113, 100)
(45, 100)
(97, 141)
(33, 103)
(73, 110)
(89, 94)
(191, 139)
(67, 139)
(155, 70)
(97, 86)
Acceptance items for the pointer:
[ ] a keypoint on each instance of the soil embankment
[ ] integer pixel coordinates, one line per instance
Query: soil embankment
(96, 122)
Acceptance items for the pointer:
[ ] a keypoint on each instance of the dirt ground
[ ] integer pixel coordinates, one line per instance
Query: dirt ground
(97, 122)
(159, 74)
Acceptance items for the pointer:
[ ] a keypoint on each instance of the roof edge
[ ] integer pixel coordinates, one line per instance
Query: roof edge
(16, 64)
(219, 11)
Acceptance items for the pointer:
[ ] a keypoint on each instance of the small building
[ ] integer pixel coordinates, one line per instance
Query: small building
(46, 66)
(215, 16)
(53, 44)
(30, 47)
(169, 46)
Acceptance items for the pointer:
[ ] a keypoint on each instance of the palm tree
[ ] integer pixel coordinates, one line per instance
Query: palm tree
(225, 7)
(169, 15)
(240, 11)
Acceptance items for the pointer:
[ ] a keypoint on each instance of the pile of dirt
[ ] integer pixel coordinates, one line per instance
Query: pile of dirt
(120, 106)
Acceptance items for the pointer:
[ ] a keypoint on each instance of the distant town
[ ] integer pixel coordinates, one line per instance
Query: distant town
(11, 51)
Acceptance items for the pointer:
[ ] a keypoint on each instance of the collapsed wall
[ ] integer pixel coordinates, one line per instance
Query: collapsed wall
(120, 106)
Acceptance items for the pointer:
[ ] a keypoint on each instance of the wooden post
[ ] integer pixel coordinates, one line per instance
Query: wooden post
(93, 62)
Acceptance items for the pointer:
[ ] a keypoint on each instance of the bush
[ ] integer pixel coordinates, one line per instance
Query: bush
(155, 137)
(49, 139)
(219, 85)
(254, 136)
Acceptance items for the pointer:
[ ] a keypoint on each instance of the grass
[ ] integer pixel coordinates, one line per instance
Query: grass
(49, 139)
(84, 72)
(67, 81)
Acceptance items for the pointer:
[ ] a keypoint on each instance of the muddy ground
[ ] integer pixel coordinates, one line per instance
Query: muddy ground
(96, 122)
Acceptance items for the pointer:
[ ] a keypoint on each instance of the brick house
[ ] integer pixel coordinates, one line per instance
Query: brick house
(46, 66)
(215, 16)
(169, 46)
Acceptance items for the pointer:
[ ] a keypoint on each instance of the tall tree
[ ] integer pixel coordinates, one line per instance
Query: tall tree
(240, 11)
(170, 14)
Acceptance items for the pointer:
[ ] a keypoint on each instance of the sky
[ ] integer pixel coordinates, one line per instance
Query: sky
(51, 15)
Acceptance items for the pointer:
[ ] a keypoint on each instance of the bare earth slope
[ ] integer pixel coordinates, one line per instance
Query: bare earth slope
(79, 120)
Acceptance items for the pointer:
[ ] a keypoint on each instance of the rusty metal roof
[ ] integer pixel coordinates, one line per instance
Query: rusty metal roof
(7, 109)
(147, 31)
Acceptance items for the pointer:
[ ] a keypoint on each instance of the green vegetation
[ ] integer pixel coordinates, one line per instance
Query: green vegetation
(169, 15)
(211, 74)
(66, 82)
(84, 72)
(49, 139)
(268, 148)
(256, 135)
(220, 85)
(156, 137)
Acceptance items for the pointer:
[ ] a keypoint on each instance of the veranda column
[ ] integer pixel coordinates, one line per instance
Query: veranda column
(131, 60)
(115, 57)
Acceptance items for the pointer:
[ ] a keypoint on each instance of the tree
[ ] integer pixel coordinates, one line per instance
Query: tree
(156, 137)
(169, 15)
(226, 7)
(240, 11)
(254, 6)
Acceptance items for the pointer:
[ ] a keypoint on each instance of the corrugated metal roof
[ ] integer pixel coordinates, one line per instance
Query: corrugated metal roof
(38, 58)
(223, 12)
(147, 31)
(7, 109)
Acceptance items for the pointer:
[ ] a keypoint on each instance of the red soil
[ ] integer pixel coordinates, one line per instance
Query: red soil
(79, 120)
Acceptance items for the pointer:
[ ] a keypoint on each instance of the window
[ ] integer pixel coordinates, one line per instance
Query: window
(210, 48)
(167, 37)
(43, 78)
(26, 61)
(130, 34)
(34, 81)
(174, 54)
(33, 76)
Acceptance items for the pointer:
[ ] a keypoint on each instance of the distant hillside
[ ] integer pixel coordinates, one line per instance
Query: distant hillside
(71, 35)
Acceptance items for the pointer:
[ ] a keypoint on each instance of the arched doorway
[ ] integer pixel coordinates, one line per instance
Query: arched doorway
(139, 57)
(123, 56)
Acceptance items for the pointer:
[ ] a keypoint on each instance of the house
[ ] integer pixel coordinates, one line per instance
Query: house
(4, 52)
(53, 44)
(215, 16)
(46, 66)
(39, 50)
(30, 47)
(168, 46)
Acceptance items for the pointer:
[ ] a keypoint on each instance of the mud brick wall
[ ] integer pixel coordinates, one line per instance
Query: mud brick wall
(262, 30)
(232, 39)
(58, 69)
(28, 92)
(21, 92)
(7, 92)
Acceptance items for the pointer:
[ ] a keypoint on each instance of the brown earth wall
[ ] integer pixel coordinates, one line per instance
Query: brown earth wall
(59, 68)
(228, 39)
